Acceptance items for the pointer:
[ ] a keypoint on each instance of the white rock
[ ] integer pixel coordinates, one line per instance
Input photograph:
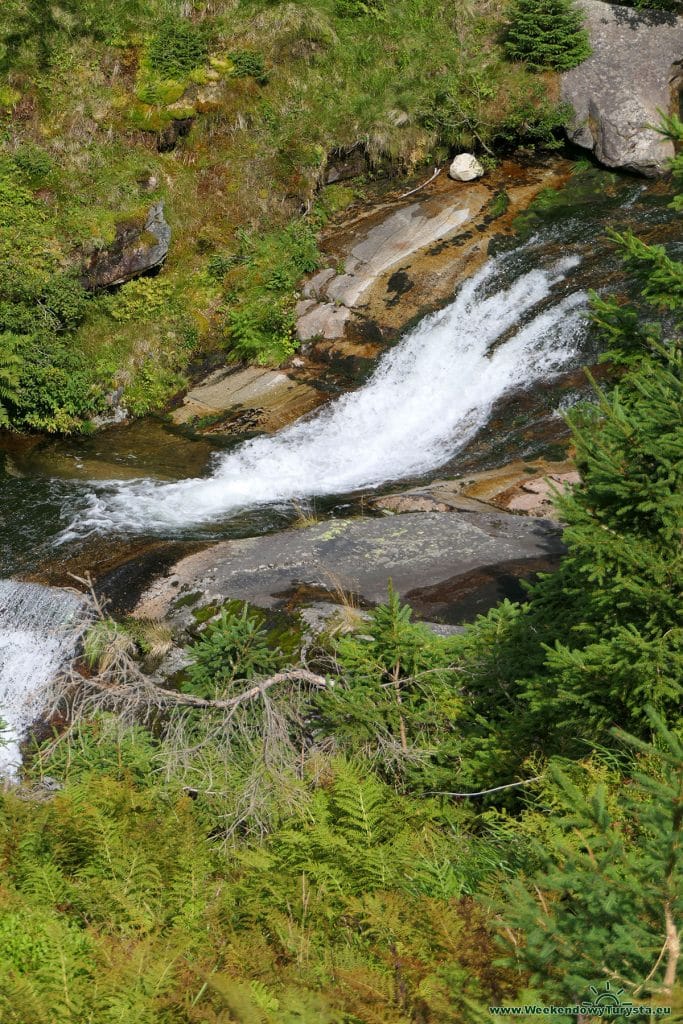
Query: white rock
(465, 167)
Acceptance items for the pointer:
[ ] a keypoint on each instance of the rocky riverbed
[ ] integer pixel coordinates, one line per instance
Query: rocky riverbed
(386, 264)
(508, 466)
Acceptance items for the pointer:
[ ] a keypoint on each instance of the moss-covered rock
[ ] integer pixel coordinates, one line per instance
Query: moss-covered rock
(137, 249)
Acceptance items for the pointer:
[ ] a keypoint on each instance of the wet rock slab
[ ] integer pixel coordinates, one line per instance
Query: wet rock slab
(418, 552)
(401, 258)
(526, 488)
(402, 233)
(268, 398)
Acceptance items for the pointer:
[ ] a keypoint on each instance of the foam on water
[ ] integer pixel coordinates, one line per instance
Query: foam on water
(426, 398)
(38, 629)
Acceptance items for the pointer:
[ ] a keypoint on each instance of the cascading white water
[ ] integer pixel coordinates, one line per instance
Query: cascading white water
(427, 397)
(38, 630)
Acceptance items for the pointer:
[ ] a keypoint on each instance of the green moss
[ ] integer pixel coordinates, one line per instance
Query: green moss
(187, 599)
(206, 612)
(181, 111)
(336, 198)
(157, 91)
(223, 65)
(499, 204)
(147, 118)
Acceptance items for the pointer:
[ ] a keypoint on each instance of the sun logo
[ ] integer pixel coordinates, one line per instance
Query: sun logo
(607, 996)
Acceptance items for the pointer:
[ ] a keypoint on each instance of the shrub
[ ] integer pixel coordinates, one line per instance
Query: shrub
(177, 48)
(142, 299)
(534, 122)
(154, 383)
(56, 391)
(259, 318)
(547, 34)
(234, 647)
(34, 163)
(10, 364)
(66, 299)
(249, 64)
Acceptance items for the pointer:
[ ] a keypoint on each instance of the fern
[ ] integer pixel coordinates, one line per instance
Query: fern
(360, 804)
(10, 373)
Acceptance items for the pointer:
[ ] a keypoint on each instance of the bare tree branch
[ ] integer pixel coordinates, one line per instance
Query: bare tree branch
(437, 172)
(483, 792)
(165, 698)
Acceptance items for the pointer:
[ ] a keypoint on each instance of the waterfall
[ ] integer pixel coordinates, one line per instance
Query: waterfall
(508, 327)
(38, 631)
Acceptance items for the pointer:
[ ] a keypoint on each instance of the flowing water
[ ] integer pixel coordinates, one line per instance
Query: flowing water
(39, 627)
(467, 387)
(477, 383)
(427, 397)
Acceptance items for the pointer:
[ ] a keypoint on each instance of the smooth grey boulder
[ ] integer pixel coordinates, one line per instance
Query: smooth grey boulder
(433, 559)
(139, 246)
(635, 71)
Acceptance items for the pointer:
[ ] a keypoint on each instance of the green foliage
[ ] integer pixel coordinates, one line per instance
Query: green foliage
(661, 276)
(337, 74)
(143, 299)
(154, 383)
(33, 32)
(359, 8)
(34, 163)
(46, 384)
(534, 121)
(56, 391)
(260, 289)
(458, 112)
(116, 906)
(234, 647)
(674, 6)
(609, 896)
(10, 366)
(398, 703)
(547, 34)
(249, 64)
(601, 638)
(177, 48)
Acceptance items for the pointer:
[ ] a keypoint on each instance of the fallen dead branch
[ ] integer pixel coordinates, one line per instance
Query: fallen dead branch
(437, 172)
(165, 698)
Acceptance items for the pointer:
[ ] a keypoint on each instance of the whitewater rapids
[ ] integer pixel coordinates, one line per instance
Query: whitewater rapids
(39, 630)
(426, 399)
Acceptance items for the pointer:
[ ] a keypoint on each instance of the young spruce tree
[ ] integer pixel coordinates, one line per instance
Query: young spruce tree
(547, 34)
(606, 906)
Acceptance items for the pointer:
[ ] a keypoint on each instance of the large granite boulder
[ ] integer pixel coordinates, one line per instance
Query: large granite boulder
(447, 565)
(139, 246)
(635, 71)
